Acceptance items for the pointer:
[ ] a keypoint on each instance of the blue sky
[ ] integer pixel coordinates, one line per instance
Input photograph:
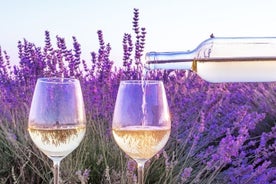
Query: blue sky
(172, 25)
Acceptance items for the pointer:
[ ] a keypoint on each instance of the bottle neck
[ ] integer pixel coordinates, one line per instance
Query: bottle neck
(170, 60)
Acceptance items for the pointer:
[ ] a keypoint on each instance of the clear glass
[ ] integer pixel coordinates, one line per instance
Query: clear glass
(57, 121)
(224, 59)
(141, 121)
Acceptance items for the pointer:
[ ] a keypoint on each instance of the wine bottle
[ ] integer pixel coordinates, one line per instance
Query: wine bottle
(223, 59)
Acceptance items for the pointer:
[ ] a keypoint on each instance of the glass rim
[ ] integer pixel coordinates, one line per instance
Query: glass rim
(141, 81)
(59, 80)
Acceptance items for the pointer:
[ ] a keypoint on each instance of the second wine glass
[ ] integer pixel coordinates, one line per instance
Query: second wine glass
(141, 122)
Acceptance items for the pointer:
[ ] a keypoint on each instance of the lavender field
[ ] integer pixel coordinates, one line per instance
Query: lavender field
(221, 133)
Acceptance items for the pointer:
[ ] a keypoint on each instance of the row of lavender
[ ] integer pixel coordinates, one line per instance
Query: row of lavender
(220, 132)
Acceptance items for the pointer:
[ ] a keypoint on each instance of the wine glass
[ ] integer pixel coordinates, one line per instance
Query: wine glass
(57, 121)
(141, 123)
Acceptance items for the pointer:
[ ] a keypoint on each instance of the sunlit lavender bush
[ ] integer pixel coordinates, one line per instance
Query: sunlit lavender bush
(221, 133)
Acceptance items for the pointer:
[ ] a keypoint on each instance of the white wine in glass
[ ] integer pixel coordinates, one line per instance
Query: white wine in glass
(57, 121)
(141, 121)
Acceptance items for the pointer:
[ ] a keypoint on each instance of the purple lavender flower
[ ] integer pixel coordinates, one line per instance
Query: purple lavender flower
(83, 176)
(186, 174)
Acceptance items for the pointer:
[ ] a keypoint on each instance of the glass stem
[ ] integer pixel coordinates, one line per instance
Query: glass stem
(56, 171)
(140, 167)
